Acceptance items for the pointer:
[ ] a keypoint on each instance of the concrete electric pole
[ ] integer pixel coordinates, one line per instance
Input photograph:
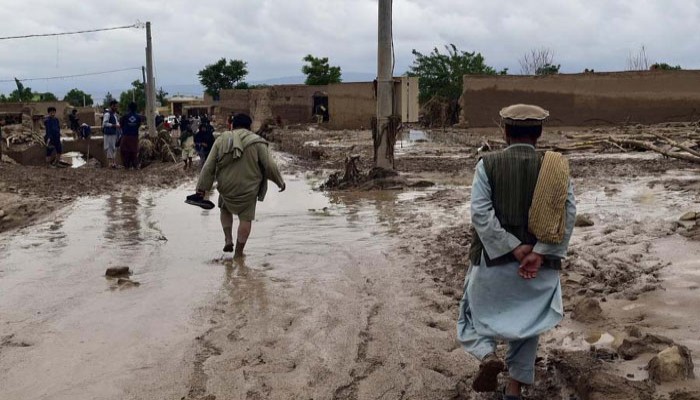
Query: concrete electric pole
(150, 84)
(385, 87)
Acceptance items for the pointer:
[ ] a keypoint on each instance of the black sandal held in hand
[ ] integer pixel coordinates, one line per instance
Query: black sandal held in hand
(199, 201)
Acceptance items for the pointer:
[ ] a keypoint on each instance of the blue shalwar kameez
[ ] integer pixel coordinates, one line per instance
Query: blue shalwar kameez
(500, 305)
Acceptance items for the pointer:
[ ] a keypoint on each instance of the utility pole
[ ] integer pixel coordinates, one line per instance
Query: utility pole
(385, 87)
(150, 84)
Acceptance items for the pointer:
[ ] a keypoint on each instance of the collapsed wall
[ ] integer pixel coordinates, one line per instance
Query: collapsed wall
(645, 97)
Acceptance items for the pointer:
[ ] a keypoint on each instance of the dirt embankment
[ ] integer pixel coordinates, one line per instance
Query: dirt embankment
(30, 194)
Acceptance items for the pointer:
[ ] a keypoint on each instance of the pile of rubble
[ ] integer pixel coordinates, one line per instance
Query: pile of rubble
(21, 133)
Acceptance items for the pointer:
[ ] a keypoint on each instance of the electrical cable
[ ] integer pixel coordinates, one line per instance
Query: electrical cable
(137, 25)
(71, 76)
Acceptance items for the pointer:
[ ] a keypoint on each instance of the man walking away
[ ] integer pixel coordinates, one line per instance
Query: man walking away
(241, 164)
(523, 212)
(53, 138)
(110, 130)
(129, 147)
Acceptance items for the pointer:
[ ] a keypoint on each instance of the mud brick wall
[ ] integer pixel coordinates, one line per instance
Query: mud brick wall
(37, 108)
(86, 116)
(36, 154)
(293, 103)
(645, 97)
(351, 105)
(234, 100)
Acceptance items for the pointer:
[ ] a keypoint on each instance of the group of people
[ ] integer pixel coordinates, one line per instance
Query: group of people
(196, 136)
(123, 133)
(522, 213)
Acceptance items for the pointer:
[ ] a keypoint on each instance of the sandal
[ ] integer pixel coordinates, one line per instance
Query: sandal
(487, 378)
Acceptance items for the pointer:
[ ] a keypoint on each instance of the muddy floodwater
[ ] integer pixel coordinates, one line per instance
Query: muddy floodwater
(298, 306)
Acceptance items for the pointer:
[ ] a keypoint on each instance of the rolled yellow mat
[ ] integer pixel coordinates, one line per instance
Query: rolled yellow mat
(547, 217)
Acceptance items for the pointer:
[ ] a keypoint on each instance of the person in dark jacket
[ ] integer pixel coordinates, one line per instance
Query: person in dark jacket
(53, 137)
(203, 142)
(74, 123)
(129, 147)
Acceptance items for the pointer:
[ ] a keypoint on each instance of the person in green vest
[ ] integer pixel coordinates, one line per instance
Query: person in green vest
(512, 289)
(241, 164)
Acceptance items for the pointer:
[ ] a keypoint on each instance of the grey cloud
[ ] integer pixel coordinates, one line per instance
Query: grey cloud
(273, 35)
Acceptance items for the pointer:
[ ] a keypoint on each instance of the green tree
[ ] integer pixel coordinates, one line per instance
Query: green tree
(442, 75)
(319, 72)
(221, 75)
(548, 69)
(46, 96)
(107, 99)
(137, 94)
(3, 98)
(665, 67)
(21, 94)
(76, 98)
(161, 96)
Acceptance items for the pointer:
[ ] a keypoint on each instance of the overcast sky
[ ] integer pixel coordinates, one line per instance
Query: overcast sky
(274, 35)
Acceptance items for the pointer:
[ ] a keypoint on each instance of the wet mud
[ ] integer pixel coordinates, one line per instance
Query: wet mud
(342, 295)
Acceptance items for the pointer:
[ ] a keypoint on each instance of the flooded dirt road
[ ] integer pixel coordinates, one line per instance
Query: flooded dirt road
(318, 309)
(343, 295)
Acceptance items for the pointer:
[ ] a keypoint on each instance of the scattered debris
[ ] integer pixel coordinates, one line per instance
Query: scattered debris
(689, 216)
(590, 379)
(672, 364)
(587, 310)
(633, 346)
(583, 221)
(127, 283)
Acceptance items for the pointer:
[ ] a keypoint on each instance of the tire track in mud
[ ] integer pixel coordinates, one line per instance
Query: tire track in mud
(364, 366)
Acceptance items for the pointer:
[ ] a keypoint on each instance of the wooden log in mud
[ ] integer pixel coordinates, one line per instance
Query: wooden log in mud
(649, 146)
(678, 145)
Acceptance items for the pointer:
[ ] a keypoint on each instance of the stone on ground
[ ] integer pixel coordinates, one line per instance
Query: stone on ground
(117, 271)
(672, 364)
(587, 310)
(583, 221)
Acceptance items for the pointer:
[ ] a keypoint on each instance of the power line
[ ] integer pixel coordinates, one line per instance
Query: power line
(71, 76)
(136, 25)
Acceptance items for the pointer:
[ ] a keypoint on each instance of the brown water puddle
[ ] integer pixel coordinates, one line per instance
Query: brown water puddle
(69, 333)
